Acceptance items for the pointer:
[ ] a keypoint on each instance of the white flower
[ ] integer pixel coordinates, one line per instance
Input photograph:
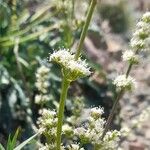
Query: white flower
(72, 68)
(78, 69)
(42, 85)
(146, 17)
(96, 112)
(61, 57)
(51, 146)
(137, 44)
(80, 131)
(142, 33)
(66, 129)
(142, 24)
(74, 147)
(47, 113)
(121, 82)
(45, 147)
(41, 99)
(43, 70)
(42, 76)
(48, 121)
(112, 135)
(130, 56)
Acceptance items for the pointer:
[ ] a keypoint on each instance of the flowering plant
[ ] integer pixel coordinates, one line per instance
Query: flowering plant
(60, 133)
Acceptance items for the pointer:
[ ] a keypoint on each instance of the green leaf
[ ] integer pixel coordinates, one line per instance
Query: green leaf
(24, 62)
(1, 147)
(11, 143)
(19, 147)
(14, 140)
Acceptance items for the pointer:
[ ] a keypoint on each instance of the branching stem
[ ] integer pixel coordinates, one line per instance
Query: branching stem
(119, 96)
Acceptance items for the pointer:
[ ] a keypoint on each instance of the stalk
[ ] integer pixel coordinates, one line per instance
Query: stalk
(31, 36)
(65, 86)
(65, 82)
(20, 69)
(85, 28)
(119, 96)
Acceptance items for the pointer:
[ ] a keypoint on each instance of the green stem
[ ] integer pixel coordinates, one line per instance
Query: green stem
(72, 13)
(65, 86)
(119, 96)
(20, 69)
(85, 28)
(31, 36)
(109, 120)
(129, 69)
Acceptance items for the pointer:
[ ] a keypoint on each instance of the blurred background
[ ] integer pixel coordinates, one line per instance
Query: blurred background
(31, 29)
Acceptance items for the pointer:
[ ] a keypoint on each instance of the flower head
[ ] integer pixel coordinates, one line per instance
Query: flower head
(146, 17)
(74, 147)
(130, 56)
(137, 44)
(72, 68)
(48, 119)
(67, 130)
(77, 69)
(61, 57)
(123, 82)
(96, 112)
(142, 33)
(42, 76)
(39, 99)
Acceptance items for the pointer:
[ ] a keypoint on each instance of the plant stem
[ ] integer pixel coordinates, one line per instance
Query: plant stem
(31, 36)
(65, 86)
(119, 96)
(20, 69)
(73, 5)
(85, 28)
(129, 69)
(109, 120)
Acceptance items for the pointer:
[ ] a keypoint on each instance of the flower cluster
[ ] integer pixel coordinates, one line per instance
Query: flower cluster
(50, 147)
(48, 122)
(42, 84)
(130, 57)
(72, 69)
(141, 38)
(139, 42)
(92, 131)
(67, 130)
(40, 98)
(89, 133)
(42, 77)
(74, 147)
(123, 82)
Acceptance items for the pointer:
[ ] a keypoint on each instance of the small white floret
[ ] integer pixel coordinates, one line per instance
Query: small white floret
(130, 56)
(123, 82)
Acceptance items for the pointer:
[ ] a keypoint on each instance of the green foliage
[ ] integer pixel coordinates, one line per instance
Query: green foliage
(12, 141)
(39, 32)
(1, 147)
(20, 146)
